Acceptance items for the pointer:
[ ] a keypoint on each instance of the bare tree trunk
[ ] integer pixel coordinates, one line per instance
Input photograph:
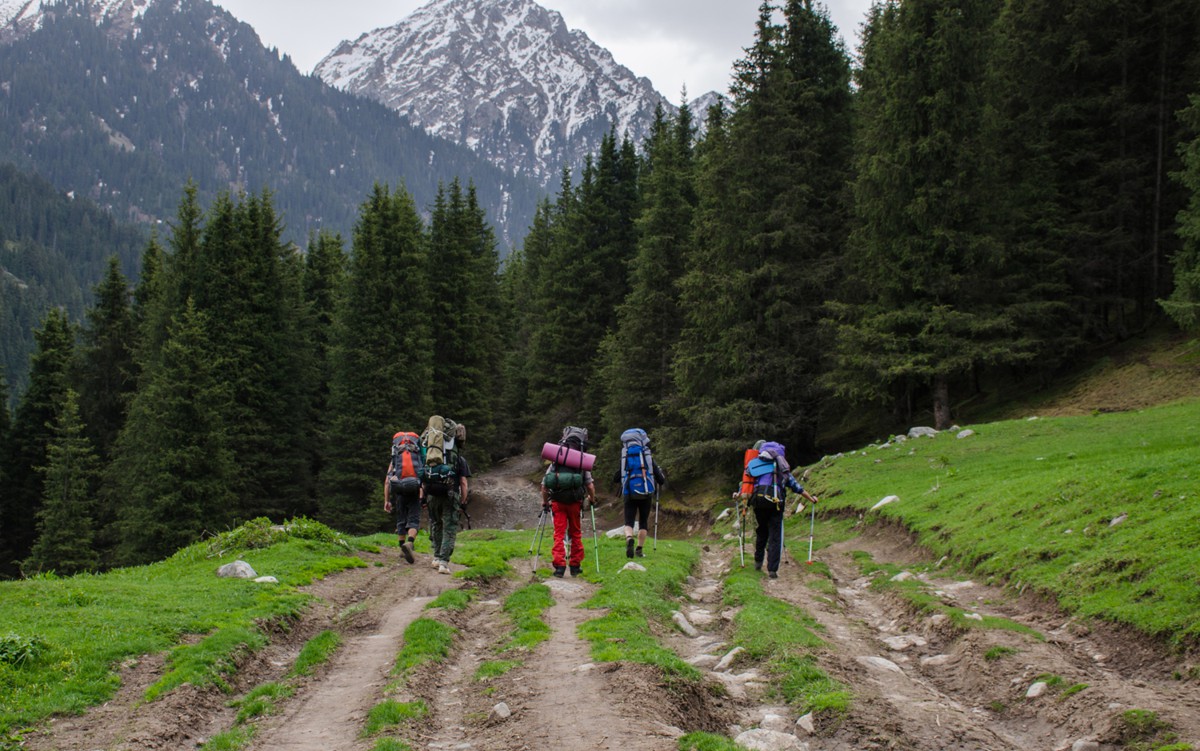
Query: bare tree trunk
(941, 403)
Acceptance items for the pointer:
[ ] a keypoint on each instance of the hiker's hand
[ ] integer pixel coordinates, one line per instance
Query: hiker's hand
(387, 506)
(545, 507)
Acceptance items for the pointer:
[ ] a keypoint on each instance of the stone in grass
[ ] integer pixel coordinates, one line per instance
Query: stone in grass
(760, 739)
(885, 501)
(267, 580)
(633, 567)
(237, 570)
(806, 724)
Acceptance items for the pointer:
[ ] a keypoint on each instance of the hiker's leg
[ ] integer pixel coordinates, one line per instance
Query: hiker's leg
(558, 552)
(631, 509)
(575, 526)
(643, 511)
(774, 527)
(410, 510)
(761, 531)
(449, 526)
(436, 503)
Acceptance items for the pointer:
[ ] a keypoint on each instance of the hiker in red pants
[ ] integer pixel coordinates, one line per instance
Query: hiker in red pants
(567, 493)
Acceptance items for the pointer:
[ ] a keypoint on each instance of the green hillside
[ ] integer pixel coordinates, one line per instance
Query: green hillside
(1099, 511)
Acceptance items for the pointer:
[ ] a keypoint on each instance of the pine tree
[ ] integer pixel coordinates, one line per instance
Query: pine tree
(324, 278)
(922, 253)
(383, 374)
(637, 369)
(106, 374)
(32, 432)
(770, 228)
(465, 296)
(173, 467)
(6, 552)
(1184, 303)
(65, 528)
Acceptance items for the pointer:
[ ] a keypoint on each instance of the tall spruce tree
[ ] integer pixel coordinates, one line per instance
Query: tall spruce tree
(173, 468)
(6, 552)
(465, 298)
(324, 278)
(65, 526)
(522, 300)
(32, 431)
(383, 374)
(771, 224)
(921, 255)
(637, 361)
(1184, 303)
(106, 375)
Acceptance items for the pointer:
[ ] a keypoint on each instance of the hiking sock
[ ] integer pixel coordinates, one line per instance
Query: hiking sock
(628, 547)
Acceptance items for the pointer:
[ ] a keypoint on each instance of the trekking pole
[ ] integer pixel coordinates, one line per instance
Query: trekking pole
(742, 505)
(537, 530)
(812, 525)
(656, 519)
(595, 537)
(538, 536)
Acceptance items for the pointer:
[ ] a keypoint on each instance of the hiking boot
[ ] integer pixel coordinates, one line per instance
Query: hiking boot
(559, 571)
(436, 562)
(638, 552)
(443, 569)
(758, 565)
(406, 551)
(628, 547)
(773, 574)
(576, 570)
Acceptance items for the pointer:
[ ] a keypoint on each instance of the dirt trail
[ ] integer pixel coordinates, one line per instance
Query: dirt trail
(331, 713)
(918, 682)
(921, 683)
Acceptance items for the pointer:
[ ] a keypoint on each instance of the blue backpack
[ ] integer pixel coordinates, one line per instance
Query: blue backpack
(637, 463)
(768, 468)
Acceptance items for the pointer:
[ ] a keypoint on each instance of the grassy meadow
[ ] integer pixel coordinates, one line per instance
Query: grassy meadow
(1101, 511)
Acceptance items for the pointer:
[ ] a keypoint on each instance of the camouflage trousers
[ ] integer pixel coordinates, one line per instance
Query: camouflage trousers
(443, 524)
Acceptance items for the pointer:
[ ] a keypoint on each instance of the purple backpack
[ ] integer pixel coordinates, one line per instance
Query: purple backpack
(768, 452)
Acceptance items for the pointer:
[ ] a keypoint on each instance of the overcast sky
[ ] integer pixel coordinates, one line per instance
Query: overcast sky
(672, 42)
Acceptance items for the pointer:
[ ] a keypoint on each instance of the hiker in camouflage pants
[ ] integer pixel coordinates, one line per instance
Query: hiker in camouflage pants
(444, 510)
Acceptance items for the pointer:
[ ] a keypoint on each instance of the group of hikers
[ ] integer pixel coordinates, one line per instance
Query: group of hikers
(429, 471)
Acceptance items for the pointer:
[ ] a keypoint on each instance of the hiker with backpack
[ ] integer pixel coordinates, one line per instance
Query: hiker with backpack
(402, 488)
(567, 490)
(641, 478)
(772, 477)
(444, 484)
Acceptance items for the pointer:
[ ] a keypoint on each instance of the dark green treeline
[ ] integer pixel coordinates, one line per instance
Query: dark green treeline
(994, 188)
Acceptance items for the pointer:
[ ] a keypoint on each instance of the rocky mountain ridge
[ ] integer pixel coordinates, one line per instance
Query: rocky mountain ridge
(507, 78)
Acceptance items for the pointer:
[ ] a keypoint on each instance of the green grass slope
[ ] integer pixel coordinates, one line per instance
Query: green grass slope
(1101, 511)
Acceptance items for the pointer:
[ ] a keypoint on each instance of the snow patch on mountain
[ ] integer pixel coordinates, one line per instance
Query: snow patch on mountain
(19, 17)
(506, 77)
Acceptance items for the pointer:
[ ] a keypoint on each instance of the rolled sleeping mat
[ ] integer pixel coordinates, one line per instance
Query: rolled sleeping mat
(568, 457)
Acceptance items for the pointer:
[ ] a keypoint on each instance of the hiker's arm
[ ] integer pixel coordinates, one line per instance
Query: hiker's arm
(591, 493)
(462, 490)
(387, 504)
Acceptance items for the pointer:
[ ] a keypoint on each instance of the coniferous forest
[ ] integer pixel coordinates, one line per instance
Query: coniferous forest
(986, 193)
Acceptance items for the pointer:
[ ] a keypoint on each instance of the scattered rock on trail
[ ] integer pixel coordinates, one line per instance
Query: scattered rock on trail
(1036, 690)
(237, 570)
(761, 739)
(965, 434)
(728, 659)
(633, 567)
(922, 432)
(684, 625)
(266, 580)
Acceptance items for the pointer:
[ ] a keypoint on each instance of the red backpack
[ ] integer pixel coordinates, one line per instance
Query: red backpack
(407, 462)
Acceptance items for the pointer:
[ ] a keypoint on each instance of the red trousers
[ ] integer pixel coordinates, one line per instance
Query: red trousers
(567, 519)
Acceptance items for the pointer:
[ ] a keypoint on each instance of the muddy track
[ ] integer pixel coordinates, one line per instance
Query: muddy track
(918, 682)
(921, 683)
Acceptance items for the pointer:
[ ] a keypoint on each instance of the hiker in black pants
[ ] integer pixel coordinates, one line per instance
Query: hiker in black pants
(772, 479)
(407, 506)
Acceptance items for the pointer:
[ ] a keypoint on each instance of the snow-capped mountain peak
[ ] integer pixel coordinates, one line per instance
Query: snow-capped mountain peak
(506, 77)
(20, 16)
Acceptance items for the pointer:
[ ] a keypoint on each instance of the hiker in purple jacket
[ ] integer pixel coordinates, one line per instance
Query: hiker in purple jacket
(772, 479)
